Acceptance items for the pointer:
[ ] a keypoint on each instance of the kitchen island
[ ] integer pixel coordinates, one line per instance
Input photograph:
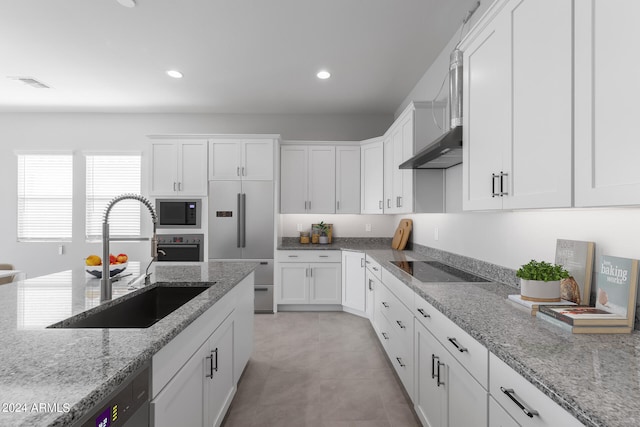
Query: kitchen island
(52, 377)
(595, 378)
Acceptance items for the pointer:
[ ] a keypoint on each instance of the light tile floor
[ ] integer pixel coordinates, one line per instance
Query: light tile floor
(318, 369)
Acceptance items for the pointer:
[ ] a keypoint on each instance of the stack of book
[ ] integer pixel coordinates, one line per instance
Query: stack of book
(614, 312)
(533, 306)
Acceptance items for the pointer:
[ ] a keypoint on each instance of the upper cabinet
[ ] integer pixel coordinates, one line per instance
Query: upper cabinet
(178, 168)
(348, 179)
(606, 122)
(232, 159)
(517, 110)
(307, 179)
(371, 172)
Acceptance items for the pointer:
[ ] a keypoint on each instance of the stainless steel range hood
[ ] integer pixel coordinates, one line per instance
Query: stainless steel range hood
(446, 151)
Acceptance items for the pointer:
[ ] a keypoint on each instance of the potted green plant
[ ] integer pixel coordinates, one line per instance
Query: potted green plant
(540, 281)
(324, 229)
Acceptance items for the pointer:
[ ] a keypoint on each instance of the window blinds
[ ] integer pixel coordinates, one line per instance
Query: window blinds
(45, 196)
(109, 176)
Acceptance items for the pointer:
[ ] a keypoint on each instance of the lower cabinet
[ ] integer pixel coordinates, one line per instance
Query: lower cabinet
(313, 283)
(372, 283)
(354, 294)
(194, 376)
(445, 393)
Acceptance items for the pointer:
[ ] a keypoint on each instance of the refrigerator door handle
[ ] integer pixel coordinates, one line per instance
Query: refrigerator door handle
(239, 222)
(244, 220)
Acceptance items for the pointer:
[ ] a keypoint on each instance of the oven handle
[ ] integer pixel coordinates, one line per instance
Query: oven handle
(179, 246)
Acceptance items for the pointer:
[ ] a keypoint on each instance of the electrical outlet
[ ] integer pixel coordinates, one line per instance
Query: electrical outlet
(60, 249)
(436, 233)
(367, 227)
(299, 227)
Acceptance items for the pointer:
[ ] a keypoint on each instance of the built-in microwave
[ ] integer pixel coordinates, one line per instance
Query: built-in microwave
(179, 213)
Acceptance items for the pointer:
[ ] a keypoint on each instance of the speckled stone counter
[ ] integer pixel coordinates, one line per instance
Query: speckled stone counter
(594, 377)
(337, 243)
(71, 370)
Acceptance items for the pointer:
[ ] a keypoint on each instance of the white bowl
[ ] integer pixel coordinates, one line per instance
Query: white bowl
(96, 270)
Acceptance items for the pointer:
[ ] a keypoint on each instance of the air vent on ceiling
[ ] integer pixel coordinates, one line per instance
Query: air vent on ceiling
(31, 82)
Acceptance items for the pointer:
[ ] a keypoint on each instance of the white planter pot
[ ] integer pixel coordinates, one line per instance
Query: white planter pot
(539, 291)
(323, 240)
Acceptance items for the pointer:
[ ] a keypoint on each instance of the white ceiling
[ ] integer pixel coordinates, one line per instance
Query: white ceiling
(237, 56)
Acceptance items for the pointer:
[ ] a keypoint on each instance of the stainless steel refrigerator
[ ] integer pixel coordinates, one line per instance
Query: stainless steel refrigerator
(241, 227)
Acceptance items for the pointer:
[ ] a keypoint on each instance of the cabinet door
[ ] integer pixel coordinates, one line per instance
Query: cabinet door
(219, 366)
(192, 168)
(606, 120)
(353, 280)
(293, 179)
(257, 159)
(225, 159)
(540, 152)
(325, 283)
(164, 168)
(184, 394)
(498, 417)
(371, 284)
(347, 180)
(389, 202)
(405, 195)
(398, 179)
(371, 188)
(322, 179)
(466, 398)
(294, 283)
(486, 114)
(429, 395)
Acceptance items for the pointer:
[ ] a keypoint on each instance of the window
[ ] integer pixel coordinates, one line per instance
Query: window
(108, 176)
(45, 197)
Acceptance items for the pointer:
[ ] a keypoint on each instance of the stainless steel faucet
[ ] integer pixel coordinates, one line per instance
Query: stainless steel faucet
(105, 283)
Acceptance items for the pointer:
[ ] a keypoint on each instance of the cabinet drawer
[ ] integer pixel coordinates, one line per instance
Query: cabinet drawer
(400, 352)
(373, 266)
(399, 317)
(309, 256)
(400, 289)
(464, 348)
(506, 382)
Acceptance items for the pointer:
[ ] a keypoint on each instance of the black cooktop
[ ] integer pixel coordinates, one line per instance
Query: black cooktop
(434, 271)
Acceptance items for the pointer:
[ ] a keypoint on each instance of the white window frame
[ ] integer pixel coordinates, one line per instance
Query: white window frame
(26, 233)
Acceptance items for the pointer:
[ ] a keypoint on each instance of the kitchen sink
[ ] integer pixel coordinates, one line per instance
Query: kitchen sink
(139, 311)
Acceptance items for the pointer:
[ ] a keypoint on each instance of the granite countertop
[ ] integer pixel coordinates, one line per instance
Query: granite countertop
(70, 370)
(594, 377)
(337, 244)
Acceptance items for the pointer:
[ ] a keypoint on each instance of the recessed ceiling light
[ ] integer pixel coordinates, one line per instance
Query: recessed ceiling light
(127, 3)
(323, 74)
(175, 74)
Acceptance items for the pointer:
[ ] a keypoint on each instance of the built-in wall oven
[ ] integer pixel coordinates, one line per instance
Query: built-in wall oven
(181, 247)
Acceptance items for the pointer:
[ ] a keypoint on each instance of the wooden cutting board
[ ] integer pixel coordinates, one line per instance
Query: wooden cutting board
(401, 235)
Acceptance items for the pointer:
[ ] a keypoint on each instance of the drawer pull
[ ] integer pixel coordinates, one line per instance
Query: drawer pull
(293, 256)
(385, 305)
(400, 324)
(439, 383)
(402, 365)
(424, 314)
(367, 262)
(375, 268)
(433, 366)
(323, 256)
(509, 392)
(384, 335)
(460, 348)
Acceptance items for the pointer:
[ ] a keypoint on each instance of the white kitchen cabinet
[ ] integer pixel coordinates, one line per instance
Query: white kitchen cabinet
(372, 283)
(517, 114)
(354, 289)
(347, 179)
(219, 383)
(372, 180)
(309, 277)
(241, 158)
(446, 394)
(606, 122)
(527, 405)
(178, 168)
(307, 179)
(498, 417)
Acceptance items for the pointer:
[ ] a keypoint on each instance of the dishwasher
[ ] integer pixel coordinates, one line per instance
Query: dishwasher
(127, 406)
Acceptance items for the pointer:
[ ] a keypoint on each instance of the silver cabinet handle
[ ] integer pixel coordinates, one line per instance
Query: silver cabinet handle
(216, 353)
(305, 205)
(306, 272)
(309, 204)
(174, 186)
(238, 171)
(370, 284)
(384, 335)
(424, 314)
(397, 201)
(389, 203)
(210, 374)
(338, 205)
(439, 383)
(433, 366)
(510, 393)
(239, 221)
(362, 262)
(502, 176)
(292, 256)
(243, 174)
(375, 268)
(310, 271)
(260, 289)
(323, 256)
(493, 184)
(402, 365)
(457, 345)
(380, 205)
(385, 305)
(401, 324)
